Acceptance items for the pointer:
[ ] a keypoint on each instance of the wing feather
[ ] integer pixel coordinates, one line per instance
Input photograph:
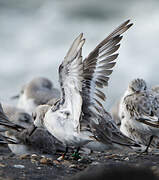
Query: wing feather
(98, 67)
(70, 78)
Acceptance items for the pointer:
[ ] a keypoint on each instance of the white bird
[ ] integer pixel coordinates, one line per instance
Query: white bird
(140, 107)
(76, 118)
(20, 142)
(38, 91)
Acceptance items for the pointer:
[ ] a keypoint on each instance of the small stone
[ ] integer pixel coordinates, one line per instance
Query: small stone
(84, 160)
(1, 158)
(95, 163)
(111, 156)
(66, 163)
(126, 159)
(24, 156)
(43, 160)
(19, 166)
(33, 161)
(73, 166)
(34, 156)
(2, 165)
(56, 162)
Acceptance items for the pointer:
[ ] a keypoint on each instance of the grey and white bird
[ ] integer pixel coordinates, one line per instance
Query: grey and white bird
(17, 115)
(76, 118)
(20, 142)
(38, 91)
(140, 107)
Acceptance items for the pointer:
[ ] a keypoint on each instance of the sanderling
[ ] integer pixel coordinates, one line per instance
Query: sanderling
(75, 119)
(17, 116)
(38, 91)
(140, 107)
(20, 142)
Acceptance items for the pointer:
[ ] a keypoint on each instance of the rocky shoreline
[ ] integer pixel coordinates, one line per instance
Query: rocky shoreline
(32, 167)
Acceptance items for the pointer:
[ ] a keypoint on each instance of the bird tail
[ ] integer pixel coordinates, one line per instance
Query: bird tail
(107, 132)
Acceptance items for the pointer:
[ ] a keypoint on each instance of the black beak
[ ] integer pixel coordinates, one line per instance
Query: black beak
(15, 97)
(32, 129)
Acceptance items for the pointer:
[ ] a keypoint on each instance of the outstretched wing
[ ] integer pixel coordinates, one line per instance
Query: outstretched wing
(98, 67)
(70, 78)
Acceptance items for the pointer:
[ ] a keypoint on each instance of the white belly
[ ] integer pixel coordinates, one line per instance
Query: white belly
(63, 129)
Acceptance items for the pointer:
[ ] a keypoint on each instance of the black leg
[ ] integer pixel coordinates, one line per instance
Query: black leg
(63, 155)
(146, 150)
(76, 154)
(66, 151)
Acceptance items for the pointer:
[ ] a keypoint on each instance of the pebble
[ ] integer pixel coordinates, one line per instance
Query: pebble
(66, 163)
(45, 160)
(24, 156)
(34, 156)
(56, 162)
(73, 166)
(95, 163)
(33, 161)
(19, 166)
(111, 156)
(2, 165)
(84, 160)
(126, 159)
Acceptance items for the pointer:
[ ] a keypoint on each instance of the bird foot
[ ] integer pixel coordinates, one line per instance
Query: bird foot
(76, 155)
(143, 153)
(61, 158)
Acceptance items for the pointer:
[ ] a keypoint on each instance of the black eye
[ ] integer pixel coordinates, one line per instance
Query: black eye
(25, 118)
(34, 116)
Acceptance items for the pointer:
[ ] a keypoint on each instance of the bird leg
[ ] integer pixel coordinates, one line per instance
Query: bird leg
(76, 154)
(146, 150)
(63, 155)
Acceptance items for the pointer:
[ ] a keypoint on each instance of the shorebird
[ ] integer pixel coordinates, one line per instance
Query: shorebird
(140, 107)
(38, 91)
(78, 118)
(17, 115)
(20, 142)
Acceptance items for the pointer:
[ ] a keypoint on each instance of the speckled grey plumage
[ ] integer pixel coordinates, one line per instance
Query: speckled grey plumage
(36, 92)
(141, 113)
(39, 142)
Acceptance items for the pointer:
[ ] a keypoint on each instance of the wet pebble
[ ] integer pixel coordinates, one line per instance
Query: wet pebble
(19, 166)
(73, 166)
(24, 156)
(126, 159)
(2, 165)
(45, 160)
